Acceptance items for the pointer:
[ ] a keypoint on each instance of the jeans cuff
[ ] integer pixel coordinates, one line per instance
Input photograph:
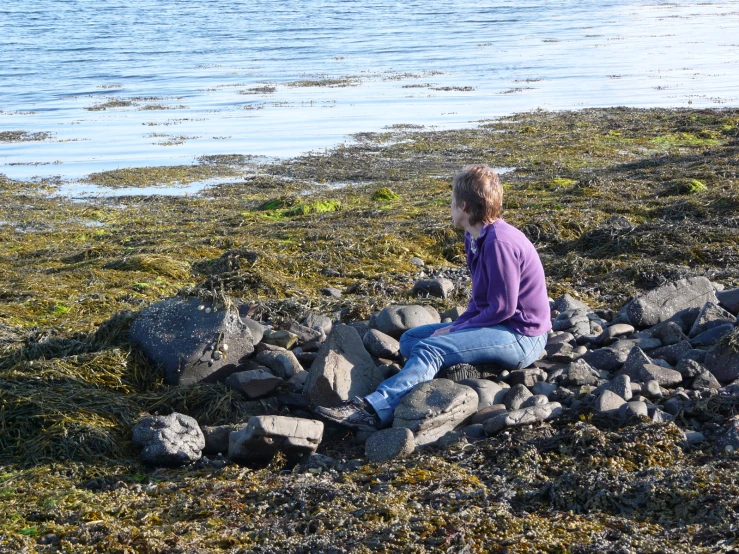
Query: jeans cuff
(383, 409)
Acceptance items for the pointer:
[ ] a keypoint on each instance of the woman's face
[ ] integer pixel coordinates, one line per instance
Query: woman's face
(459, 216)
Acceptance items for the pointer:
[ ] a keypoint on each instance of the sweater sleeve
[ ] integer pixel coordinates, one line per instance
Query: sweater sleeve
(503, 271)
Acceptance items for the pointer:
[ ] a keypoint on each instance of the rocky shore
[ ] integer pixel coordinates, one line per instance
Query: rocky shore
(279, 294)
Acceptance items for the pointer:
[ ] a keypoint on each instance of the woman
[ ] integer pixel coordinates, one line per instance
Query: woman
(507, 319)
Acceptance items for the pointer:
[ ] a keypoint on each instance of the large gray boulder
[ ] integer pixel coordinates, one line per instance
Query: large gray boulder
(434, 408)
(172, 440)
(264, 436)
(342, 370)
(191, 340)
(396, 320)
(664, 302)
(389, 444)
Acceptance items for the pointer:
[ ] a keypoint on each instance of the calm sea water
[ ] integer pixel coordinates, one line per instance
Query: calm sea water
(154, 82)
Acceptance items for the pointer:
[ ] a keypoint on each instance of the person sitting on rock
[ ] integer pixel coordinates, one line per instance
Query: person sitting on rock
(506, 321)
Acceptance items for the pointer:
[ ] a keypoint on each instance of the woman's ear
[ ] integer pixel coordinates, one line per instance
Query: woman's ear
(465, 207)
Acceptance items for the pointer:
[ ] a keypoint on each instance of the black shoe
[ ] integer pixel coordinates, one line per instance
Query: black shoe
(353, 413)
(460, 372)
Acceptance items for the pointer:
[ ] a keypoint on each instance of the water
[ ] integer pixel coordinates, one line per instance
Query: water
(181, 71)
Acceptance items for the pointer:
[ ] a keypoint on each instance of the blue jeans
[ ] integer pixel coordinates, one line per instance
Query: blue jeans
(428, 355)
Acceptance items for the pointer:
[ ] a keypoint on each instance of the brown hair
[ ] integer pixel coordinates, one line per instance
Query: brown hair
(478, 186)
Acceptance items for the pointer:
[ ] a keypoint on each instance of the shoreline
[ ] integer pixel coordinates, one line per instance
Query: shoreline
(616, 200)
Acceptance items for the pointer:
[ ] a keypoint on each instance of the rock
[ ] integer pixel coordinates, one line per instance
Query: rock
(396, 320)
(381, 345)
(621, 385)
(529, 376)
(440, 287)
(664, 302)
(545, 389)
(389, 444)
(254, 383)
(281, 362)
(633, 409)
(332, 292)
(488, 412)
(453, 313)
(673, 352)
(567, 302)
(434, 408)
(416, 261)
(729, 299)
(694, 437)
(216, 437)
(524, 416)
(433, 312)
(706, 380)
(314, 320)
(581, 373)
(306, 334)
(696, 354)
(658, 416)
(669, 333)
(515, 396)
(665, 377)
(607, 359)
(562, 395)
(561, 352)
(728, 441)
(264, 436)
(474, 432)
(536, 400)
(712, 335)
(282, 338)
(611, 333)
(689, 369)
(255, 328)
(172, 440)
(723, 361)
(343, 370)
(297, 381)
(608, 403)
(561, 337)
(188, 342)
(709, 317)
(652, 388)
(488, 392)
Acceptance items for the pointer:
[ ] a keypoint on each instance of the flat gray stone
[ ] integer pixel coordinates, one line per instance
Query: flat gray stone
(710, 316)
(342, 370)
(264, 436)
(281, 362)
(434, 408)
(254, 383)
(607, 359)
(620, 384)
(729, 299)
(528, 376)
(306, 334)
(172, 440)
(561, 352)
(608, 403)
(440, 288)
(581, 373)
(396, 320)
(389, 444)
(524, 416)
(192, 340)
(488, 392)
(664, 302)
(667, 378)
(381, 345)
(515, 396)
(611, 333)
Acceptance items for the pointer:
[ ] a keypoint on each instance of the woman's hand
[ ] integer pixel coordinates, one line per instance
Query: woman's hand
(442, 331)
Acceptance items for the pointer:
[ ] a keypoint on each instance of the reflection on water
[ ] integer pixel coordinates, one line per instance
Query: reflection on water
(120, 84)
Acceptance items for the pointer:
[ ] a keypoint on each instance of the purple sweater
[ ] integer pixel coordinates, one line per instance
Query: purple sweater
(508, 284)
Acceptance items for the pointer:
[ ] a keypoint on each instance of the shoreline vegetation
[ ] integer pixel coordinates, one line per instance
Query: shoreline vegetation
(616, 200)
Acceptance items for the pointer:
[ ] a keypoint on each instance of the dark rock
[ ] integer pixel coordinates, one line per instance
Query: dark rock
(441, 287)
(333, 292)
(723, 361)
(515, 396)
(343, 370)
(264, 436)
(192, 341)
(434, 408)
(697, 354)
(664, 302)
(670, 333)
(172, 440)
(712, 335)
(545, 389)
(709, 317)
(306, 334)
(607, 359)
(529, 376)
(621, 385)
(216, 437)
(314, 320)
(665, 377)
(389, 444)
(581, 373)
(254, 383)
(671, 353)
(706, 380)
(729, 299)
(689, 369)
(381, 345)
